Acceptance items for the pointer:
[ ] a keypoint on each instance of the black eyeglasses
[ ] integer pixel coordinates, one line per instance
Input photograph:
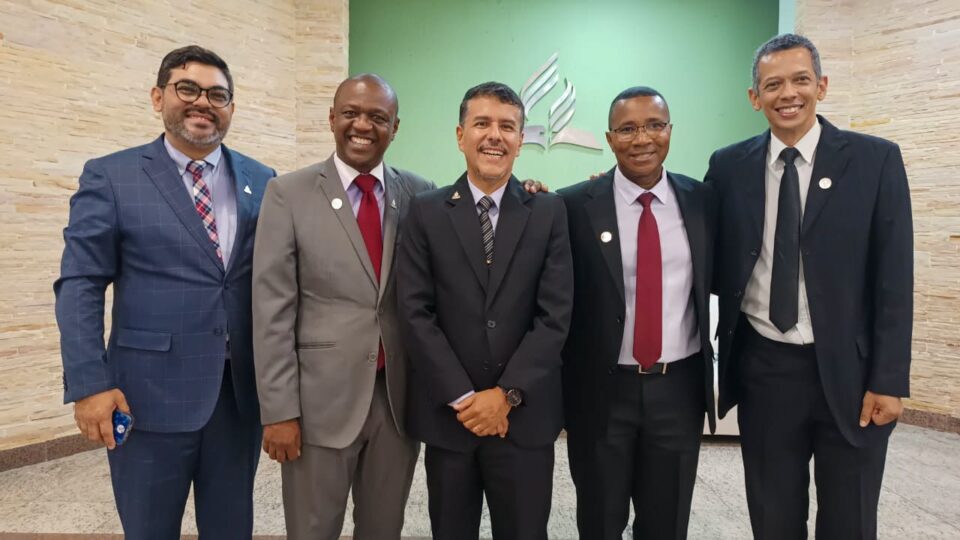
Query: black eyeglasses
(652, 129)
(189, 91)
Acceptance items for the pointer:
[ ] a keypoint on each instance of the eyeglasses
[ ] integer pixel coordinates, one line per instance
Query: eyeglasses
(652, 129)
(189, 92)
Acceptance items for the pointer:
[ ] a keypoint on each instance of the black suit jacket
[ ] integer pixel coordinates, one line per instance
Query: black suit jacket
(468, 326)
(856, 242)
(593, 346)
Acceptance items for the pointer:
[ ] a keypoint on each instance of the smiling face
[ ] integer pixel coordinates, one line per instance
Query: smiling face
(788, 92)
(490, 137)
(641, 158)
(193, 128)
(364, 121)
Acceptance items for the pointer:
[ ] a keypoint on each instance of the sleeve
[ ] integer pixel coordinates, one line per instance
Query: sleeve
(539, 353)
(91, 257)
(275, 306)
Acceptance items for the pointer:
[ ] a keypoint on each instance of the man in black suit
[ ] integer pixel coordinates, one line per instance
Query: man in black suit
(638, 365)
(814, 272)
(485, 288)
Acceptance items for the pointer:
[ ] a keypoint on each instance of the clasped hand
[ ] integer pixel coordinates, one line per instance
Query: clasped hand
(485, 413)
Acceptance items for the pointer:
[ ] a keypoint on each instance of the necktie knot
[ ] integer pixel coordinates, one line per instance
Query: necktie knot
(195, 168)
(485, 203)
(789, 155)
(366, 182)
(646, 199)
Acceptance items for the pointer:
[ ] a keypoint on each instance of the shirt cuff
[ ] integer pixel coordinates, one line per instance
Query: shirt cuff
(461, 398)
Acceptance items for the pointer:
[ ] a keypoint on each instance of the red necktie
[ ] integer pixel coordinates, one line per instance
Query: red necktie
(368, 218)
(648, 313)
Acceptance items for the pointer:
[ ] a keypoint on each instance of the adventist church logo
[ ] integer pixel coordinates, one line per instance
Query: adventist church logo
(561, 111)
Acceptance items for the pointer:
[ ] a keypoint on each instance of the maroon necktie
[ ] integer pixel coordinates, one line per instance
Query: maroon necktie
(648, 313)
(368, 218)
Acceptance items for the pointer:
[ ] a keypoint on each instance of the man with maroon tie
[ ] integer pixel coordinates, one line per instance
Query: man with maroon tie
(638, 365)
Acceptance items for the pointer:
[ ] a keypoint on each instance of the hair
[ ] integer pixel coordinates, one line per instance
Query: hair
(785, 42)
(630, 93)
(492, 89)
(371, 78)
(191, 53)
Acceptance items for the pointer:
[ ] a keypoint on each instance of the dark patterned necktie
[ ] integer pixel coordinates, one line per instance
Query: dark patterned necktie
(204, 204)
(785, 276)
(486, 227)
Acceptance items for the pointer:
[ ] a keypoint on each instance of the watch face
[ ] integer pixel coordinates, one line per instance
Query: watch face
(514, 397)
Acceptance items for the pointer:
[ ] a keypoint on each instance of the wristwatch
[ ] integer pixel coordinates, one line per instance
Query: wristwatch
(514, 396)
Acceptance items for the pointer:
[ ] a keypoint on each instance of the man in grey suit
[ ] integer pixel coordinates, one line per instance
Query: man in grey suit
(331, 374)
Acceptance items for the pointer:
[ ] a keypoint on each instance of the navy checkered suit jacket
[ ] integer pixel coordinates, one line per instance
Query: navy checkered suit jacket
(134, 225)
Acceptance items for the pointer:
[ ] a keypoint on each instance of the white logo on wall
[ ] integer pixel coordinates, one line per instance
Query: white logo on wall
(561, 111)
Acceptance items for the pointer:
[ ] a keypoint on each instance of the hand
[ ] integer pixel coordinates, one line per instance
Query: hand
(281, 441)
(597, 175)
(535, 186)
(503, 428)
(94, 415)
(484, 413)
(879, 409)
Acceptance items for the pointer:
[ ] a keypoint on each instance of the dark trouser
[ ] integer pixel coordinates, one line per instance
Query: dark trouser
(649, 455)
(518, 483)
(152, 473)
(784, 420)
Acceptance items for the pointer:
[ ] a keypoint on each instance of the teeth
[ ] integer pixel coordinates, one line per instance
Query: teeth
(496, 153)
(360, 141)
(790, 110)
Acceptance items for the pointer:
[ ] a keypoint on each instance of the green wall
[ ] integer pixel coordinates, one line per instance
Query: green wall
(696, 52)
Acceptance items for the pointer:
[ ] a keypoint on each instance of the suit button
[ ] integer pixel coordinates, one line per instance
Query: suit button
(620, 320)
(753, 253)
(226, 286)
(372, 358)
(491, 324)
(380, 311)
(611, 370)
(737, 294)
(218, 331)
(729, 332)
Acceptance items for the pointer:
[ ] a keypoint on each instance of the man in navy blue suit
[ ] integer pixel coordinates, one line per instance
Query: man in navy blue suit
(171, 226)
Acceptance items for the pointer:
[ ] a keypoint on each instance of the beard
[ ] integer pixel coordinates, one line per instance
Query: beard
(174, 122)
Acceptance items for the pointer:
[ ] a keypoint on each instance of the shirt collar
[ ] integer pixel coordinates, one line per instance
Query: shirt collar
(807, 145)
(348, 174)
(478, 193)
(182, 160)
(630, 192)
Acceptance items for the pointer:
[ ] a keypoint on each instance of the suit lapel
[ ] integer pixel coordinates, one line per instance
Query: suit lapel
(602, 211)
(244, 196)
(163, 172)
(830, 162)
(332, 188)
(692, 211)
(754, 188)
(463, 216)
(393, 199)
(511, 221)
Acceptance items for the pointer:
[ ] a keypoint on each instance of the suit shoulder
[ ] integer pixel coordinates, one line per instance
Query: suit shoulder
(575, 191)
(736, 149)
(300, 177)
(255, 167)
(413, 182)
(131, 154)
(863, 140)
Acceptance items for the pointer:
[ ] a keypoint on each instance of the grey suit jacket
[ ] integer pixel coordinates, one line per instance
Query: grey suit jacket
(319, 312)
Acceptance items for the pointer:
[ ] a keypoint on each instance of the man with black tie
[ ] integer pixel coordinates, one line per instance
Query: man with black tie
(484, 284)
(638, 365)
(814, 272)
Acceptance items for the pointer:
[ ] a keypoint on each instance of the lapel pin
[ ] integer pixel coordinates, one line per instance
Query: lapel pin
(336, 203)
(456, 196)
(246, 189)
(606, 237)
(393, 204)
(825, 183)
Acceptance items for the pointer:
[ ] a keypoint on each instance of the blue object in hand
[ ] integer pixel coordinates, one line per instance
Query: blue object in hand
(122, 424)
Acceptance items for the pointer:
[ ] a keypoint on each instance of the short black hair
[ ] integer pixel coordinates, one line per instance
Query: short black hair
(191, 53)
(785, 42)
(630, 93)
(492, 89)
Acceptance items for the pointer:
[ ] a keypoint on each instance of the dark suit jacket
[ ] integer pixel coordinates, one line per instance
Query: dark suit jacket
(134, 225)
(593, 346)
(856, 242)
(470, 327)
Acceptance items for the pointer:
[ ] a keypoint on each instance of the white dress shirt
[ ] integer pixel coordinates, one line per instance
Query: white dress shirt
(681, 336)
(223, 194)
(497, 196)
(756, 297)
(348, 174)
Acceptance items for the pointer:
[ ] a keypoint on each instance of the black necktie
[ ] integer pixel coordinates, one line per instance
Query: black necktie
(486, 227)
(785, 278)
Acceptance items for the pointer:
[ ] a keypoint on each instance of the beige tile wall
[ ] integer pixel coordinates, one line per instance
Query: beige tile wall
(894, 68)
(74, 84)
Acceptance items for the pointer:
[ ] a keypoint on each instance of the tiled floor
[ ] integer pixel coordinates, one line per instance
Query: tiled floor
(920, 500)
